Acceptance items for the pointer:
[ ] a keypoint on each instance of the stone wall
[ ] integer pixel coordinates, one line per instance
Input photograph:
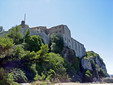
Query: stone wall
(64, 31)
(61, 30)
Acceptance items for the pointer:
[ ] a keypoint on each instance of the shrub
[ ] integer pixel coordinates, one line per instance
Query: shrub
(57, 43)
(7, 78)
(15, 34)
(88, 76)
(18, 75)
(19, 52)
(34, 44)
(6, 45)
(101, 72)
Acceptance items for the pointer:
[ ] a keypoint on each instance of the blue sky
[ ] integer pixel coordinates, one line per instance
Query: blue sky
(90, 21)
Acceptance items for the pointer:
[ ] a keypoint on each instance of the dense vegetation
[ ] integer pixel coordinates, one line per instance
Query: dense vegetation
(26, 58)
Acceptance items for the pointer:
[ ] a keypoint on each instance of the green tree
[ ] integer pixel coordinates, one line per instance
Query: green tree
(35, 43)
(19, 52)
(6, 45)
(57, 43)
(27, 35)
(15, 34)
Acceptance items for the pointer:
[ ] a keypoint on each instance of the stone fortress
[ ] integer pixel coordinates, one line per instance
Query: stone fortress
(61, 30)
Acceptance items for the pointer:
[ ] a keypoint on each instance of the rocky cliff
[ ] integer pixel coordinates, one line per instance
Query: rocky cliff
(87, 69)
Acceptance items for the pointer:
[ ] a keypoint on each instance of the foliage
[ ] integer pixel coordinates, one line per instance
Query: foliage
(19, 51)
(33, 43)
(57, 43)
(77, 64)
(91, 53)
(19, 76)
(6, 45)
(7, 78)
(29, 57)
(27, 35)
(101, 72)
(56, 63)
(15, 34)
(88, 76)
(37, 77)
(35, 61)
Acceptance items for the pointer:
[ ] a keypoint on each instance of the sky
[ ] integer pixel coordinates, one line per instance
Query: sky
(90, 21)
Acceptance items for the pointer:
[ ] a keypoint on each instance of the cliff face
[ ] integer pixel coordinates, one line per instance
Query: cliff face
(93, 63)
(87, 69)
(93, 67)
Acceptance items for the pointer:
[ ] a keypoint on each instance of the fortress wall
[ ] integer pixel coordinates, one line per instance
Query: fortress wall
(56, 30)
(63, 31)
(39, 29)
(44, 37)
(67, 37)
(78, 48)
(67, 32)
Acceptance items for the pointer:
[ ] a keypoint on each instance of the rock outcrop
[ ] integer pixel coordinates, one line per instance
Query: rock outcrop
(86, 64)
(93, 63)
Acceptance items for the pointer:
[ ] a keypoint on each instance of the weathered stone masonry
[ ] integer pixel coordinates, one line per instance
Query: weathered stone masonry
(63, 31)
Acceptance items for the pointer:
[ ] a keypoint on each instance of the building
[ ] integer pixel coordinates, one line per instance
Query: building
(63, 31)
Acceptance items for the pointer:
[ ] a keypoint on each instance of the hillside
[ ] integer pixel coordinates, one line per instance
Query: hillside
(26, 58)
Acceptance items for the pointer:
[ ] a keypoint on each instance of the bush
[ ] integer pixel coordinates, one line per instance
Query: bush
(18, 75)
(34, 43)
(7, 78)
(6, 45)
(19, 52)
(15, 34)
(57, 43)
(101, 72)
(88, 76)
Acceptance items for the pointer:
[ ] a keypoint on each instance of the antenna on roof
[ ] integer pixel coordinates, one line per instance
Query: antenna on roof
(24, 17)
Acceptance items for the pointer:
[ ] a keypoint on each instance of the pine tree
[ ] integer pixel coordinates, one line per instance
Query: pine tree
(27, 35)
